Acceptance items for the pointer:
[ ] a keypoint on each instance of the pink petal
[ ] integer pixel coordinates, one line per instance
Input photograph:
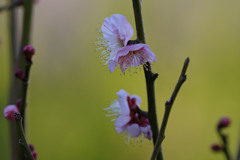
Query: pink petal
(117, 27)
(134, 47)
(122, 99)
(125, 30)
(133, 130)
(134, 55)
(152, 57)
(9, 112)
(122, 121)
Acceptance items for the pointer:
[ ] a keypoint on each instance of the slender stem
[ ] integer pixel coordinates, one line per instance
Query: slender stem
(225, 143)
(25, 88)
(238, 152)
(168, 107)
(22, 139)
(149, 75)
(139, 21)
(27, 21)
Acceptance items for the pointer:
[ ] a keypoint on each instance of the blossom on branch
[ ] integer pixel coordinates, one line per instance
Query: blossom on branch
(10, 111)
(129, 118)
(117, 33)
(32, 148)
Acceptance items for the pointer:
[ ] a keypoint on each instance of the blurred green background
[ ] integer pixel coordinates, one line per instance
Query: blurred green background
(69, 87)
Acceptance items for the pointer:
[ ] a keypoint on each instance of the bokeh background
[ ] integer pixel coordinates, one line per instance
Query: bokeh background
(70, 87)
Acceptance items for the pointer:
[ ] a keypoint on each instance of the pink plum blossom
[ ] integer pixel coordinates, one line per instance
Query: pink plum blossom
(132, 55)
(117, 32)
(128, 119)
(9, 112)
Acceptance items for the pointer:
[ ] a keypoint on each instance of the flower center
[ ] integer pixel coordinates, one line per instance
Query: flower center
(135, 116)
(131, 102)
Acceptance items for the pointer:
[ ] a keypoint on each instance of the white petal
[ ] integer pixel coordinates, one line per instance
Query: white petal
(117, 29)
(122, 99)
(122, 121)
(133, 130)
(120, 129)
(125, 29)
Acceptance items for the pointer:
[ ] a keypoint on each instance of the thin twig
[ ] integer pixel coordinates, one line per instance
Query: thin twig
(22, 139)
(27, 21)
(224, 139)
(238, 151)
(168, 107)
(25, 88)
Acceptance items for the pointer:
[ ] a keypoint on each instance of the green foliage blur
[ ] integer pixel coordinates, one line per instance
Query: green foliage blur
(70, 87)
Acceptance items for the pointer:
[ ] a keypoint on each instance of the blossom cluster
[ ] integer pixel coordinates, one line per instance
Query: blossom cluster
(128, 116)
(118, 49)
(117, 33)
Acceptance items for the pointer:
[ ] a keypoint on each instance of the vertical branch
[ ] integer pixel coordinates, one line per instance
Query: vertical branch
(27, 21)
(26, 35)
(168, 107)
(17, 60)
(16, 150)
(139, 21)
(25, 89)
(149, 75)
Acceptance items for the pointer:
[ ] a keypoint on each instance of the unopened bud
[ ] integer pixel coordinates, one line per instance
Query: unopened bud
(28, 51)
(216, 147)
(19, 74)
(31, 147)
(224, 122)
(9, 112)
(19, 103)
(34, 155)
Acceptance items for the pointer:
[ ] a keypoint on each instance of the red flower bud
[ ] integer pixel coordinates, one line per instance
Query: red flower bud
(9, 112)
(34, 155)
(224, 122)
(19, 103)
(216, 147)
(31, 147)
(28, 51)
(19, 74)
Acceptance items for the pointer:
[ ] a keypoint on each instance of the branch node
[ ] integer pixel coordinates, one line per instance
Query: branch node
(184, 78)
(167, 103)
(17, 116)
(154, 76)
(20, 141)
